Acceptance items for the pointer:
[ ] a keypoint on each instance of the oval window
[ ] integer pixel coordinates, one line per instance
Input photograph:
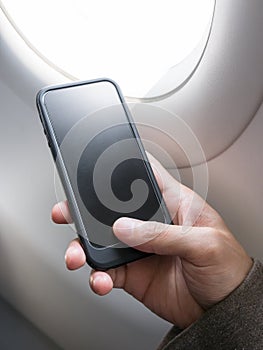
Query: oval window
(133, 42)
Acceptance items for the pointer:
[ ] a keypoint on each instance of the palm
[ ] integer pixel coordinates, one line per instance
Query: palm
(158, 281)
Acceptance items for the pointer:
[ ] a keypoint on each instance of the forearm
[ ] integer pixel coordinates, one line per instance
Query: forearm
(234, 323)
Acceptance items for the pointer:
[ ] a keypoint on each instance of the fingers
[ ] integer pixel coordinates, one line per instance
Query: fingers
(60, 213)
(162, 239)
(148, 236)
(75, 256)
(101, 282)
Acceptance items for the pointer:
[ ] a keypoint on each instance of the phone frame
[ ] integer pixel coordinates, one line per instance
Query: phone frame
(109, 257)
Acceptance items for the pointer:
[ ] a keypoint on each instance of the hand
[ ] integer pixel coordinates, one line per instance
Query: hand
(197, 263)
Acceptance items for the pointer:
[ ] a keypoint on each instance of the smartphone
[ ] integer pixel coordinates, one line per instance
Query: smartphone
(102, 165)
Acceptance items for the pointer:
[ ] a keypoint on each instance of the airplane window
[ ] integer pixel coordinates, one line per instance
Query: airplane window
(133, 42)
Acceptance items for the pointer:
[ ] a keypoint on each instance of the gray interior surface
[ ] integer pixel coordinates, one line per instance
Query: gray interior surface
(16, 332)
(221, 104)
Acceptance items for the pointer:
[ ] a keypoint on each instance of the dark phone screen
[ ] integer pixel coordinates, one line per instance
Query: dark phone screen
(104, 162)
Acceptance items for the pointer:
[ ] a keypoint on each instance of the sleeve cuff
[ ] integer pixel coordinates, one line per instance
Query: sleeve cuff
(234, 323)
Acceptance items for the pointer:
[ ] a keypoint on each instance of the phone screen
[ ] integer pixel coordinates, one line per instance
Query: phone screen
(102, 154)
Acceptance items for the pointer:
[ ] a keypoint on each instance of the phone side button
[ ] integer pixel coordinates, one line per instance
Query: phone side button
(53, 151)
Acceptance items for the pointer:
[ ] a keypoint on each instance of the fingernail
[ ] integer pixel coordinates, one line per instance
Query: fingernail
(128, 230)
(126, 224)
(91, 280)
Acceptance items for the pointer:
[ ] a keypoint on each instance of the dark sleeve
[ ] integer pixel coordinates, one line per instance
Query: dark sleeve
(236, 323)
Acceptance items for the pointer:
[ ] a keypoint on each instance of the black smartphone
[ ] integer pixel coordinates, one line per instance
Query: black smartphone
(102, 165)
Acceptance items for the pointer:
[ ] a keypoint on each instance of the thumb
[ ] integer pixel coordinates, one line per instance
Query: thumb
(162, 239)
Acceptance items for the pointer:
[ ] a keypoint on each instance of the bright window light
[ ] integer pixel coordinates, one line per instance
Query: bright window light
(133, 42)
